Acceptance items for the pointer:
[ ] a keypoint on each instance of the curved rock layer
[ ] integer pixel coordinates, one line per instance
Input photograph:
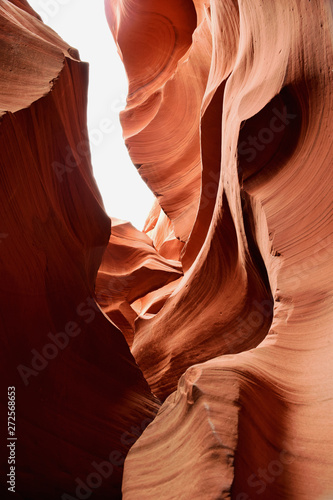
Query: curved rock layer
(231, 129)
(131, 268)
(228, 283)
(81, 400)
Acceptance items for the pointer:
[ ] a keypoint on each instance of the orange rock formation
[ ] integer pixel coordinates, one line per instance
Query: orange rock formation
(222, 307)
(228, 121)
(81, 400)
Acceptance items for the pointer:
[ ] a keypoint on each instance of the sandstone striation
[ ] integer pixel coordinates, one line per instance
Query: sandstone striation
(81, 400)
(214, 324)
(229, 123)
(131, 269)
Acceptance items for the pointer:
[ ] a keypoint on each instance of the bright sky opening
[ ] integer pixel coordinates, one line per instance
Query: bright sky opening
(82, 24)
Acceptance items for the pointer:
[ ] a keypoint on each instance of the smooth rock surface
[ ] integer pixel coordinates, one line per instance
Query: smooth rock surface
(235, 139)
(222, 307)
(80, 398)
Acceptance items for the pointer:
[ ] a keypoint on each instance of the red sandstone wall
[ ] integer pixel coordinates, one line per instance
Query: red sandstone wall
(80, 398)
(233, 134)
(221, 308)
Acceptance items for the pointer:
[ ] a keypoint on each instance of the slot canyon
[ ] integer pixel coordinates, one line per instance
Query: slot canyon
(192, 360)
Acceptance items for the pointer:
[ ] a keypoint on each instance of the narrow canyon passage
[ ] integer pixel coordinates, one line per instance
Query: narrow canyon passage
(193, 359)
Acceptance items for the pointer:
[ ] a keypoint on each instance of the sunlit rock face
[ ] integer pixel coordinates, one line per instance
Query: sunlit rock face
(229, 121)
(81, 401)
(131, 269)
(221, 307)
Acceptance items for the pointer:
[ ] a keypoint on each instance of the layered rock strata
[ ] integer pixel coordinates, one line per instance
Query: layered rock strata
(222, 307)
(81, 400)
(229, 122)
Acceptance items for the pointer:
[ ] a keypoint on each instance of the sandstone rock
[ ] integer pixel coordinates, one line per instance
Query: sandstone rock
(80, 397)
(222, 306)
(131, 268)
(235, 141)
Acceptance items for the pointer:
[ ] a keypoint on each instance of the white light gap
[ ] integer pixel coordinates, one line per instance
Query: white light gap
(83, 25)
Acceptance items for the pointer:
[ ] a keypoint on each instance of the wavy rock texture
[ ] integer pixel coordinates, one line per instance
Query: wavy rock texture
(131, 268)
(80, 398)
(229, 122)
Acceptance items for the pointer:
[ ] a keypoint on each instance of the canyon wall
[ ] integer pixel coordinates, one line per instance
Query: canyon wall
(229, 121)
(81, 401)
(199, 349)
